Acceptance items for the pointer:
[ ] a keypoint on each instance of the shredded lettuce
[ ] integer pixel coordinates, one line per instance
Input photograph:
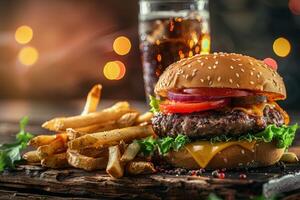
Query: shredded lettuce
(283, 136)
(163, 145)
(154, 104)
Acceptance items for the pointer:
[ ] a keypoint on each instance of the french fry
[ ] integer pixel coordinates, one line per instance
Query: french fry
(56, 146)
(41, 140)
(87, 163)
(108, 114)
(98, 127)
(140, 167)
(144, 118)
(127, 119)
(289, 157)
(110, 138)
(32, 157)
(93, 152)
(114, 167)
(130, 153)
(55, 161)
(92, 100)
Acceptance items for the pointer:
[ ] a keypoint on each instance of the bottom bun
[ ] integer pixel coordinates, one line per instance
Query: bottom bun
(263, 154)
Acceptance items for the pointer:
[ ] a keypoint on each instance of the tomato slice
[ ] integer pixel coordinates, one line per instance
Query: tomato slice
(218, 92)
(181, 107)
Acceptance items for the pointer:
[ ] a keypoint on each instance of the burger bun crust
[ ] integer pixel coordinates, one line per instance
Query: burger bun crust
(221, 70)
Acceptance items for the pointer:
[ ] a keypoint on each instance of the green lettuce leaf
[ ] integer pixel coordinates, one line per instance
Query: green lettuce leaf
(154, 104)
(283, 136)
(10, 154)
(163, 145)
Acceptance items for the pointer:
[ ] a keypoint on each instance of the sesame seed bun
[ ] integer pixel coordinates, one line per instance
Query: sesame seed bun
(263, 154)
(222, 70)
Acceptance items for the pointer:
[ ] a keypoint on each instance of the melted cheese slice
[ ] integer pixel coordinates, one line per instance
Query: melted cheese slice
(258, 110)
(204, 151)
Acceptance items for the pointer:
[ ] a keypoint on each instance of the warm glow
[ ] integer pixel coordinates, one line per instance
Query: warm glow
(281, 47)
(122, 70)
(205, 44)
(114, 70)
(122, 45)
(28, 56)
(23, 34)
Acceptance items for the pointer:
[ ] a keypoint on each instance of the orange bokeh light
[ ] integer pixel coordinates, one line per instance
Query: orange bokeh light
(114, 70)
(122, 45)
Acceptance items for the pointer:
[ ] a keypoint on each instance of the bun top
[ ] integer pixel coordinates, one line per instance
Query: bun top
(222, 70)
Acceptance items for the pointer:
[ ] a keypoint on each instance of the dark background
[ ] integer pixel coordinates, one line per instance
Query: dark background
(74, 39)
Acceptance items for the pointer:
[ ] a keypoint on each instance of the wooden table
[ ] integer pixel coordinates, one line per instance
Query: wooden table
(35, 182)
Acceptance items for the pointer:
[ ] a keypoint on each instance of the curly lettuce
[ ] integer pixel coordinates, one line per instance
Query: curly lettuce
(154, 104)
(163, 145)
(283, 136)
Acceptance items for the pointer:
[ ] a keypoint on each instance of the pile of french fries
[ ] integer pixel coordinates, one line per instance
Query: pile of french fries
(95, 140)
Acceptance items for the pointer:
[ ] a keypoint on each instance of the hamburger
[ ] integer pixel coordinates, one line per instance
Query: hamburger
(219, 111)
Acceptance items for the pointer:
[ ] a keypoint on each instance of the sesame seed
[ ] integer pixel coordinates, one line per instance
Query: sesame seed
(214, 57)
(209, 67)
(219, 79)
(215, 53)
(242, 70)
(210, 83)
(206, 58)
(214, 66)
(260, 73)
(251, 63)
(202, 64)
(251, 82)
(217, 62)
(208, 78)
(231, 67)
(258, 76)
(230, 80)
(237, 85)
(189, 65)
(233, 59)
(253, 68)
(201, 80)
(199, 61)
(251, 73)
(237, 75)
(240, 64)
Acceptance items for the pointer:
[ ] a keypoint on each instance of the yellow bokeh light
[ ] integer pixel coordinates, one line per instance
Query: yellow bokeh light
(114, 70)
(281, 47)
(122, 45)
(23, 34)
(205, 44)
(28, 56)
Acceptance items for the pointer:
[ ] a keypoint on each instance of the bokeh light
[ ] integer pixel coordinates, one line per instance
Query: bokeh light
(28, 56)
(23, 34)
(122, 45)
(281, 47)
(114, 70)
(271, 63)
(294, 6)
(205, 44)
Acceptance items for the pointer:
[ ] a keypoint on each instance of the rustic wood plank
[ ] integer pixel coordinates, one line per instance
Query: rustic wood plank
(6, 193)
(77, 183)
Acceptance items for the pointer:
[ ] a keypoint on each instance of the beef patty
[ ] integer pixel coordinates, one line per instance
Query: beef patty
(212, 123)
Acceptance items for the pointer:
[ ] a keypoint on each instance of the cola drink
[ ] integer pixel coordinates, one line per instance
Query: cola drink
(168, 39)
